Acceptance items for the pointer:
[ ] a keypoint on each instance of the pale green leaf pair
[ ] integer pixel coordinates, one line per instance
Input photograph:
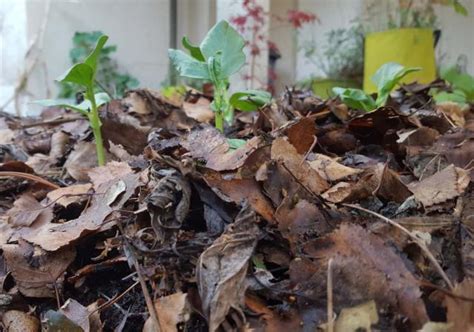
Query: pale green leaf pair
(250, 100)
(385, 78)
(222, 43)
(101, 98)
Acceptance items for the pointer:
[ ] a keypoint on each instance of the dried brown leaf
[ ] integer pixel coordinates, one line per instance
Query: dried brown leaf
(18, 321)
(210, 145)
(330, 169)
(113, 170)
(171, 310)
(26, 210)
(441, 187)
(301, 135)
(199, 111)
(222, 268)
(459, 311)
(37, 273)
(68, 195)
(284, 151)
(359, 257)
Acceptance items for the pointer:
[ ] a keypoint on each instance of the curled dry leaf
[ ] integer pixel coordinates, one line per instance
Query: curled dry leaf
(282, 150)
(359, 256)
(18, 321)
(239, 190)
(330, 169)
(460, 312)
(302, 134)
(67, 195)
(108, 197)
(76, 313)
(26, 210)
(171, 310)
(37, 273)
(200, 110)
(81, 160)
(221, 270)
(41, 163)
(441, 187)
(358, 318)
(113, 170)
(210, 145)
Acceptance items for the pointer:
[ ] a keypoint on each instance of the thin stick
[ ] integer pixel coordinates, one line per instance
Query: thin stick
(51, 122)
(330, 298)
(315, 140)
(423, 247)
(115, 299)
(30, 177)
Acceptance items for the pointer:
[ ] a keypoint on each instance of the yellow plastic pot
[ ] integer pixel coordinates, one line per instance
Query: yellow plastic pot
(408, 47)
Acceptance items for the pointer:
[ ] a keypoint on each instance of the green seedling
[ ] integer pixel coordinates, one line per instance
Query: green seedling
(462, 87)
(83, 74)
(219, 56)
(385, 78)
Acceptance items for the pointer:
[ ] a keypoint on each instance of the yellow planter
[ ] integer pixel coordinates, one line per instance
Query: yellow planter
(408, 47)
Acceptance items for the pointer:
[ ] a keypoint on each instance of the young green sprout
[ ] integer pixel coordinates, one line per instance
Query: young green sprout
(84, 74)
(219, 56)
(385, 78)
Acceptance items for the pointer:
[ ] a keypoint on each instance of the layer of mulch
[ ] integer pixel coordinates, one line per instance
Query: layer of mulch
(366, 216)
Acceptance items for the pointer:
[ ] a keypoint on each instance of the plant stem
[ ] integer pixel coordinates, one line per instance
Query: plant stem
(95, 124)
(219, 120)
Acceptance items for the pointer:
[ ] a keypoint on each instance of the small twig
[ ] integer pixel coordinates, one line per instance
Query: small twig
(315, 140)
(114, 299)
(423, 247)
(52, 122)
(330, 298)
(105, 89)
(30, 177)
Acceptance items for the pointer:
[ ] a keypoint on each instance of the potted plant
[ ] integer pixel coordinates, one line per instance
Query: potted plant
(342, 61)
(407, 37)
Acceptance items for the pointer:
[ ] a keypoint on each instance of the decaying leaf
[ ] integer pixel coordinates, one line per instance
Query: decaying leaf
(18, 321)
(302, 135)
(76, 313)
(200, 110)
(293, 161)
(108, 197)
(359, 257)
(330, 169)
(171, 310)
(222, 268)
(81, 160)
(460, 312)
(68, 195)
(441, 187)
(113, 170)
(26, 210)
(210, 145)
(37, 273)
(358, 318)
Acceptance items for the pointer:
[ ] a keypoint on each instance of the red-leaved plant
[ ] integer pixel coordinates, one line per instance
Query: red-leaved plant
(251, 24)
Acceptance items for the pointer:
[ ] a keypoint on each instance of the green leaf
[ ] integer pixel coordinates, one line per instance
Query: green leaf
(195, 51)
(101, 98)
(188, 66)
(62, 103)
(387, 77)
(355, 98)
(235, 143)
(91, 59)
(250, 100)
(80, 73)
(461, 81)
(457, 96)
(459, 8)
(225, 39)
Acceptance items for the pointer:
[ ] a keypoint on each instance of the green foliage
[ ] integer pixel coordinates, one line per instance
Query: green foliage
(462, 87)
(83, 74)
(107, 74)
(386, 78)
(219, 56)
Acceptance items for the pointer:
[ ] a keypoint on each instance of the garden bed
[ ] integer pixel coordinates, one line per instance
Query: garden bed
(323, 208)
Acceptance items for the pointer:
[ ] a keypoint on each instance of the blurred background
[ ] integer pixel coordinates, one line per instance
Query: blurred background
(312, 43)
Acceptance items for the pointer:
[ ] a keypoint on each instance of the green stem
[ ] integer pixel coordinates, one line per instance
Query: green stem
(219, 120)
(95, 124)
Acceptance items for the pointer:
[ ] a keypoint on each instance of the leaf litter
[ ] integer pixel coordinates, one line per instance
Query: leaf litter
(184, 230)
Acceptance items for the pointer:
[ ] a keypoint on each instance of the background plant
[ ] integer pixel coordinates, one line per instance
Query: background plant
(219, 56)
(108, 75)
(385, 78)
(461, 87)
(251, 23)
(83, 75)
(342, 57)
